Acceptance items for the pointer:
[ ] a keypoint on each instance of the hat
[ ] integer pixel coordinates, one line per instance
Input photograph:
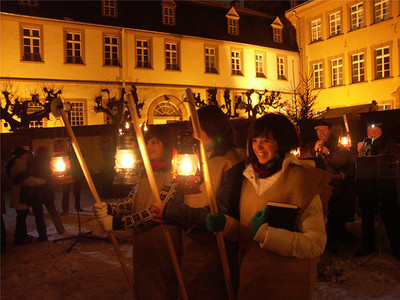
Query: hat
(19, 151)
(321, 123)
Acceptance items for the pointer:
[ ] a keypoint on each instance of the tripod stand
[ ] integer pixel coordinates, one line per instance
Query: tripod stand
(81, 235)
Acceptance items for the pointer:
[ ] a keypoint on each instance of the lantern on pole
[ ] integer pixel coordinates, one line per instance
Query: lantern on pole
(59, 164)
(344, 141)
(127, 158)
(186, 164)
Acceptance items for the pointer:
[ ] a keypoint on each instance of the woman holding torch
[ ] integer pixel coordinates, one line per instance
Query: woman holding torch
(154, 275)
(200, 262)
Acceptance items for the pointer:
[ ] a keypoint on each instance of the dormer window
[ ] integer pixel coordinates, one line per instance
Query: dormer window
(277, 27)
(28, 2)
(109, 8)
(168, 12)
(233, 22)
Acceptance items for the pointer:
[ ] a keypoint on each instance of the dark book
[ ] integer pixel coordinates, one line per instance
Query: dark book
(282, 215)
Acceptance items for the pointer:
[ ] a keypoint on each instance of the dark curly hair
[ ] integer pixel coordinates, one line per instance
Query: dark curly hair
(166, 136)
(282, 130)
(217, 126)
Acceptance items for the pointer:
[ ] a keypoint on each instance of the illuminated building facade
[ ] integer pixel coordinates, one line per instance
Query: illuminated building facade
(162, 47)
(352, 48)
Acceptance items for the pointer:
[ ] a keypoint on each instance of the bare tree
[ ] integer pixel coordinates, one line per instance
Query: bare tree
(16, 113)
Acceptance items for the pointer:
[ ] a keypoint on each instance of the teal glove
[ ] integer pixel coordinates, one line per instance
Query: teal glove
(259, 219)
(215, 223)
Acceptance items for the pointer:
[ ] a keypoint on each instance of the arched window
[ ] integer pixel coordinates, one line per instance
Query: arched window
(167, 109)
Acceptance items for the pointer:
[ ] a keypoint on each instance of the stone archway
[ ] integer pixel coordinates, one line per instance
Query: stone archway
(166, 108)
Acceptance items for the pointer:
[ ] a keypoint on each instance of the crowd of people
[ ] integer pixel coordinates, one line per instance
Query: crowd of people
(277, 212)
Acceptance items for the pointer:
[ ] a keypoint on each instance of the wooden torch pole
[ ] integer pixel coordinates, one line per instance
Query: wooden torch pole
(210, 195)
(154, 189)
(94, 193)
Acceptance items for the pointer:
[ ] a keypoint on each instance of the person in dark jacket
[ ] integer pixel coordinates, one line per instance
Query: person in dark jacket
(44, 194)
(340, 163)
(379, 193)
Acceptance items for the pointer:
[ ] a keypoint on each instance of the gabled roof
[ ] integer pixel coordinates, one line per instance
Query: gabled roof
(232, 13)
(347, 110)
(277, 22)
(205, 19)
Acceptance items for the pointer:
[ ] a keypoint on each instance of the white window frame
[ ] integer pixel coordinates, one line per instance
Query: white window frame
(30, 110)
(211, 59)
(358, 67)
(281, 67)
(233, 26)
(112, 50)
(172, 56)
(357, 16)
(335, 23)
(76, 115)
(143, 53)
(381, 10)
(74, 54)
(33, 42)
(259, 59)
(318, 75)
(337, 71)
(109, 8)
(316, 30)
(236, 62)
(168, 15)
(382, 62)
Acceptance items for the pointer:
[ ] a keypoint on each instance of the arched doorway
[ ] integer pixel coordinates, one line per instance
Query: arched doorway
(165, 109)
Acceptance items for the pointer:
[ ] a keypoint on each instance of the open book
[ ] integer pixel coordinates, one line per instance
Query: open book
(282, 215)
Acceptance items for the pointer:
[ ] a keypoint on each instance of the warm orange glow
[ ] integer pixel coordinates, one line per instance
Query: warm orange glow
(124, 159)
(187, 164)
(344, 141)
(296, 152)
(59, 164)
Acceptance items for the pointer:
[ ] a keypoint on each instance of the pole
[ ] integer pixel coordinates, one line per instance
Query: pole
(210, 195)
(346, 124)
(95, 194)
(154, 189)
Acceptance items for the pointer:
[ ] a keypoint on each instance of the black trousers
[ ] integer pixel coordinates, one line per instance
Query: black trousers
(379, 197)
(20, 225)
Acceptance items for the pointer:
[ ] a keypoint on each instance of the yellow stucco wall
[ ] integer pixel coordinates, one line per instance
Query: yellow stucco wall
(344, 45)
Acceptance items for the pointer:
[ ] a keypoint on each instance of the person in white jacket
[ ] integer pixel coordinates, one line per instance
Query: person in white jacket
(276, 261)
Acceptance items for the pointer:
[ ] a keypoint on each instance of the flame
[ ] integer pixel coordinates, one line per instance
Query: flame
(188, 165)
(124, 159)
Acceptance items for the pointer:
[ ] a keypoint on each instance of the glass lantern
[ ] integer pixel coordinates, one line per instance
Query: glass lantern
(344, 141)
(127, 160)
(186, 164)
(60, 165)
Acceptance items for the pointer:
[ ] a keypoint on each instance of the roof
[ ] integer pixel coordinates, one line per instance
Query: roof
(206, 19)
(347, 110)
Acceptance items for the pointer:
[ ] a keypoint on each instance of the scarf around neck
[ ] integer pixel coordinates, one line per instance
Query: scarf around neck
(268, 169)
(157, 165)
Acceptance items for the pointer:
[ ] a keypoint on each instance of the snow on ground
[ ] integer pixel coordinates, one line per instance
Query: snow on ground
(91, 270)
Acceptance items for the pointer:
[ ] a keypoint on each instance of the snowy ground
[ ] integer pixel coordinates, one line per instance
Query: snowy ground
(91, 270)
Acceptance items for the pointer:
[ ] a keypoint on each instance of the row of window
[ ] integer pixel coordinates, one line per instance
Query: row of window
(110, 9)
(380, 10)
(74, 53)
(381, 67)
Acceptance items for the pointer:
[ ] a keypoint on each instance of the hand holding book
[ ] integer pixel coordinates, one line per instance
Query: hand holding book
(278, 215)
